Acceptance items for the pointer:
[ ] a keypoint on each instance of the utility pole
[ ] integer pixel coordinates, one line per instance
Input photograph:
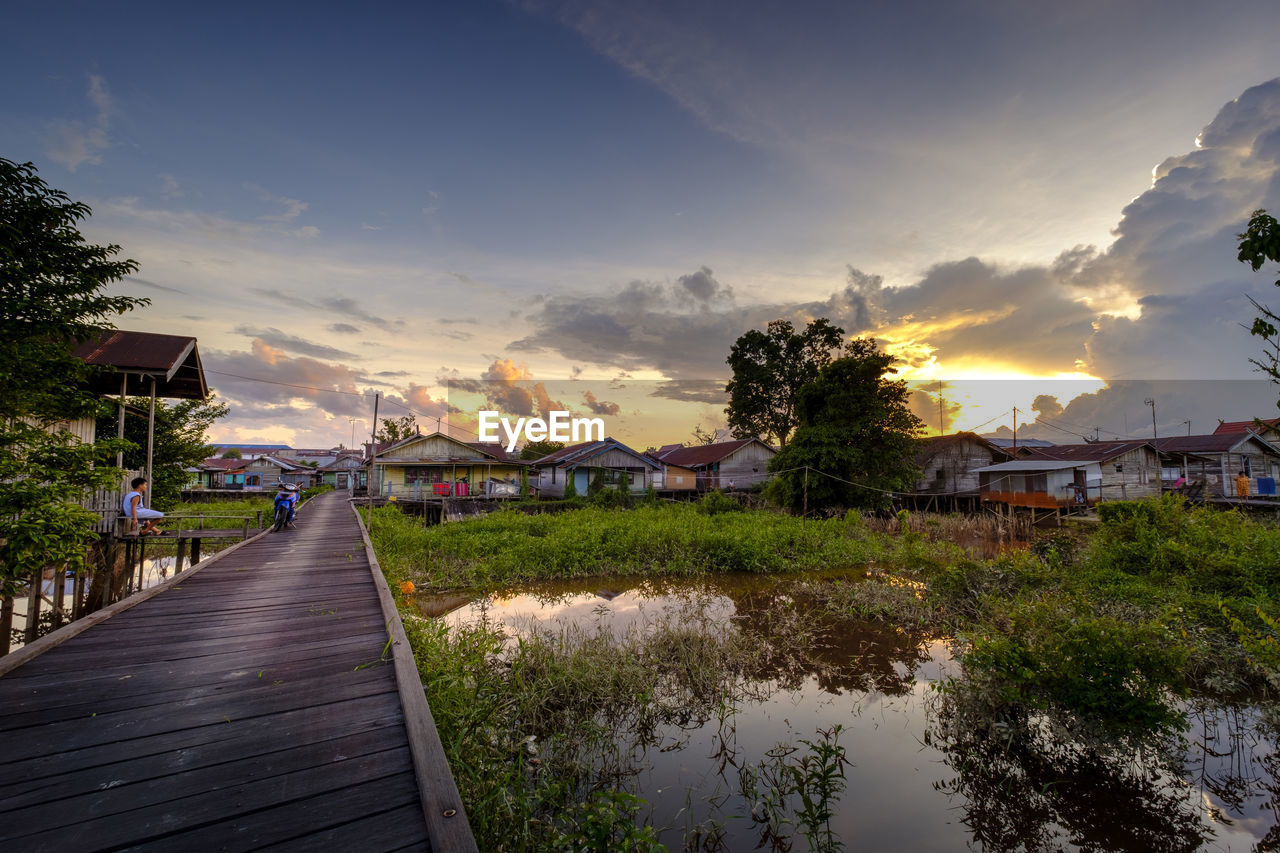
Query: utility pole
(805, 516)
(1015, 429)
(353, 430)
(373, 454)
(1155, 439)
(942, 423)
(1188, 423)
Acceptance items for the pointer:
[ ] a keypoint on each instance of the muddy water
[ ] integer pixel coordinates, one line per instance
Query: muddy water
(916, 778)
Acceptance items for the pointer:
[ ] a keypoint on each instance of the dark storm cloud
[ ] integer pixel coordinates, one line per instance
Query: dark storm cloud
(646, 325)
(344, 329)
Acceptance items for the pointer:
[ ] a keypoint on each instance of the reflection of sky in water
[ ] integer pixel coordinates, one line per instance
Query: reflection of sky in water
(890, 800)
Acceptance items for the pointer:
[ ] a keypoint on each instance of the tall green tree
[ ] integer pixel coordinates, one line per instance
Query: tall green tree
(854, 425)
(769, 369)
(180, 441)
(53, 295)
(395, 429)
(1258, 245)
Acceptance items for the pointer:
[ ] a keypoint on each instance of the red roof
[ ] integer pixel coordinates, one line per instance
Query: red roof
(705, 454)
(224, 464)
(1227, 427)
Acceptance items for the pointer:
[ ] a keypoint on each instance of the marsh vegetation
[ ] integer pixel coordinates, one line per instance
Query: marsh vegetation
(718, 680)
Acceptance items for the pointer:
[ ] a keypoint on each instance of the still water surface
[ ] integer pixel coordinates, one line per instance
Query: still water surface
(907, 787)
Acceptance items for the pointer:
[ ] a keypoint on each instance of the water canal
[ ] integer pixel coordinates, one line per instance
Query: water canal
(811, 695)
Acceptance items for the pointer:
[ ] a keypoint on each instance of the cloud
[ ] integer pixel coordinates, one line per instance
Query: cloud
(291, 343)
(293, 208)
(74, 143)
(151, 284)
(600, 407)
(710, 391)
(343, 305)
(507, 387)
(703, 287)
(169, 187)
(344, 329)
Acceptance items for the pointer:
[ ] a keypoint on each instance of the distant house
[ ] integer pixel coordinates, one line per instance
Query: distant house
(949, 463)
(621, 467)
(1038, 483)
(249, 452)
(1216, 459)
(436, 465)
(221, 473)
(268, 472)
(1126, 470)
(737, 464)
(673, 478)
(345, 471)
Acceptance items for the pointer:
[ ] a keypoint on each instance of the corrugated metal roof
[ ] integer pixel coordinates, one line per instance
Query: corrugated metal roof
(173, 360)
(578, 453)
(1216, 443)
(1032, 465)
(701, 455)
(1098, 451)
(1227, 427)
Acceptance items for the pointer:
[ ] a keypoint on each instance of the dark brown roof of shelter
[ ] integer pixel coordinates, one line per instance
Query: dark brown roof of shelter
(173, 360)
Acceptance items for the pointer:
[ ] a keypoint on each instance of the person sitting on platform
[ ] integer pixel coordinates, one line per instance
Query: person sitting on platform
(134, 510)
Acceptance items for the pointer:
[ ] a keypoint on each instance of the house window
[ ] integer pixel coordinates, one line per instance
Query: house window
(413, 476)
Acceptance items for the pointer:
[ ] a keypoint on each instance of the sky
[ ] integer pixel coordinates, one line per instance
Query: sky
(589, 202)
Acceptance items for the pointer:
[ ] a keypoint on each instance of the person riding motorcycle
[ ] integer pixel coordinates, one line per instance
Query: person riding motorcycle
(288, 493)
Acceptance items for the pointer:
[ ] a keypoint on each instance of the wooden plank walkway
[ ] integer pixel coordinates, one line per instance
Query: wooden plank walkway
(244, 708)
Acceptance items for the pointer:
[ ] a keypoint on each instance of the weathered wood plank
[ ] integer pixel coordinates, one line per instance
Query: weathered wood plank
(243, 705)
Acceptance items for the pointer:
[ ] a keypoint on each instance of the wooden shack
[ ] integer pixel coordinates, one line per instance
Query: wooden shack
(621, 466)
(1126, 470)
(426, 467)
(736, 464)
(1216, 459)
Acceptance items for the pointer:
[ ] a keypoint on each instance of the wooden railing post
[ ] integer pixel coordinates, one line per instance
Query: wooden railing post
(33, 607)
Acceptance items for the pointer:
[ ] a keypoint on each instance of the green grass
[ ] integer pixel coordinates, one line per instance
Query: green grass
(509, 547)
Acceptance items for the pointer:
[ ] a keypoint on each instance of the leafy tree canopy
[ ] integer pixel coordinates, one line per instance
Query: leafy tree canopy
(1259, 244)
(179, 441)
(769, 368)
(854, 424)
(539, 449)
(395, 429)
(232, 453)
(52, 296)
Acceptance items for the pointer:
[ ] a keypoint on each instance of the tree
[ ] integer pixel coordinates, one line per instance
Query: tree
(232, 453)
(1259, 244)
(52, 296)
(570, 484)
(854, 425)
(539, 449)
(702, 436)
(769, 369)
(397, 429)
(179, 441)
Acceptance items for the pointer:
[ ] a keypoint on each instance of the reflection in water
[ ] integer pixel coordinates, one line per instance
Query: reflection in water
(926, 768)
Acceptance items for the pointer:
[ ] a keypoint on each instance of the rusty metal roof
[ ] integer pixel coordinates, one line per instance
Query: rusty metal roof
(701, 455)
(172, 360)
(1227, 427)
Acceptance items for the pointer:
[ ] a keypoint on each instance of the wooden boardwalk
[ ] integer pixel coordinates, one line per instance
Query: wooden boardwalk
(243, 708)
